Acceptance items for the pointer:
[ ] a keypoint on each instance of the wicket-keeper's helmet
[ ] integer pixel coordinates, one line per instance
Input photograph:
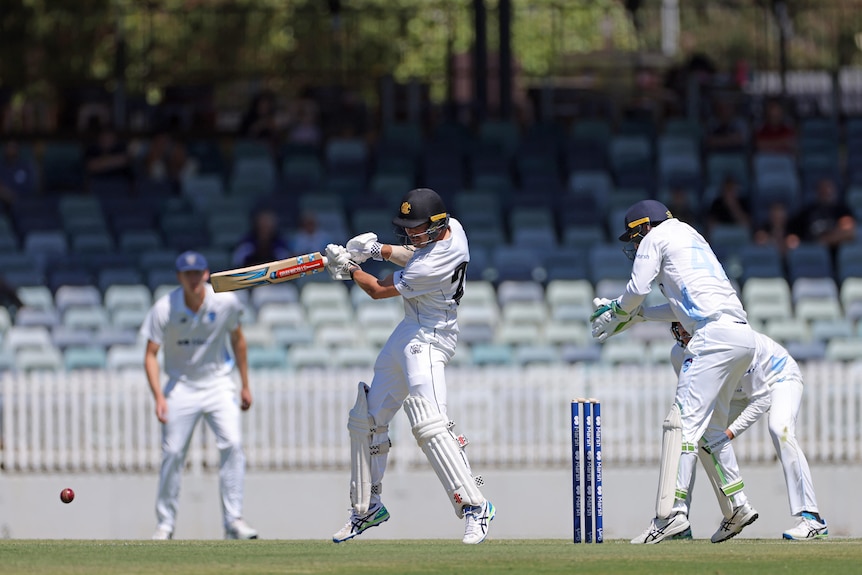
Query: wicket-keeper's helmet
(419, 206)
(644, 212)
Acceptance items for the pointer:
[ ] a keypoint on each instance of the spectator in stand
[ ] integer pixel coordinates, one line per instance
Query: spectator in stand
(107, 157)
(727, 133)
(305, 131)
(774, 229)
(17, 177)
(167, 160)
(729, 208)
(827, 220)
(260, 118)
(309, 237)
(776, 135)
(263, 243)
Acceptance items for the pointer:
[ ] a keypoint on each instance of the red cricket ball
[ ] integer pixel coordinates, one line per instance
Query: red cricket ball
(67, 495)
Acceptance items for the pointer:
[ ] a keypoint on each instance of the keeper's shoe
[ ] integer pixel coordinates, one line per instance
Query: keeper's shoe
(359, 523)
(477, 520)
(683, 535)
(163, 533)
(808, 529)
(239, 529)
(661, 529)
(742, 515)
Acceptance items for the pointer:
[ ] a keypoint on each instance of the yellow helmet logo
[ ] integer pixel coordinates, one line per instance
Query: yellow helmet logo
(405, 208)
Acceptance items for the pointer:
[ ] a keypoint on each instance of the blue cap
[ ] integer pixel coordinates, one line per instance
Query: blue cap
(644, 212)
(191, 261)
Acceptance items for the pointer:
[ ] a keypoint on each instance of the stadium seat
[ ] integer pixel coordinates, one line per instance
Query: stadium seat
(623, 350)
(284, 314)
(567, 332)
(809, 261)
(67, 296)
(512, 291)
(20, 337)
(829, 329)
(844, 349)
(27, 316)
(84, 357)
(125, 357)
(287, 336)
(267, 358)
(814, 287)
(136, 296)
(806, 351)
(304, 356)
(784, 330)
(358, 355)
(589, 353)
(46, 359)
(86, 317)
(535, 354)
(814, 309)
(491, 354)
(607, 261)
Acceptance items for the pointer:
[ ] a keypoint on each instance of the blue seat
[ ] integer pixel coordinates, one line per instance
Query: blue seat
(849, 261)
(607, 261)
(809, 261)
(720, 166)
(491, 354)
(514, 263)
(760, 262)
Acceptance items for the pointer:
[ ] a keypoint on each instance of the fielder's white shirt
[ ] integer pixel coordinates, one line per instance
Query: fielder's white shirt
(688, 274)
(196, 346)
(433, 281)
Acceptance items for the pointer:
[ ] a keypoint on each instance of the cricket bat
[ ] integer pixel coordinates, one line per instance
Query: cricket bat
(268, 273)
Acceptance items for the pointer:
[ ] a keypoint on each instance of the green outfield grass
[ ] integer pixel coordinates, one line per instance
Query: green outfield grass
(376, 557)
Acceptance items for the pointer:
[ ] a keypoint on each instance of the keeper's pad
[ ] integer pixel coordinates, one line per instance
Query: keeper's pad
(431, 431)
(716, 478)
(671, 449)
(361, 427)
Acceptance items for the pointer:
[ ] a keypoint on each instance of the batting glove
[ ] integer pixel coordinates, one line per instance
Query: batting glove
(364, 246)
(339, 264)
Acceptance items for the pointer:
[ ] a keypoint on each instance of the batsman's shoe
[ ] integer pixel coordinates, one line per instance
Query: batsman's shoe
(742, 515)
(163, 533)
(359, 523)
(239, 529)
(661, 529)
(808, 529)
(477, 519)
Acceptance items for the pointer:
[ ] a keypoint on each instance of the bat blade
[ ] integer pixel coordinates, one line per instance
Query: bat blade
(268, 273)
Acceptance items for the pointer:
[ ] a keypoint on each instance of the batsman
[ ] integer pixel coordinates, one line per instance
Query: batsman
(702, 299)
(409, 370)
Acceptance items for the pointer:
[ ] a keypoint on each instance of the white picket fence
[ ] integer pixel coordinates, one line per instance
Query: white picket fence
(515, 418)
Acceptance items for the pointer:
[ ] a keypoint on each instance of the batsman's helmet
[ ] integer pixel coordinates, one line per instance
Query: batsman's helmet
(645, 212)
(681, 336)
(420, 206)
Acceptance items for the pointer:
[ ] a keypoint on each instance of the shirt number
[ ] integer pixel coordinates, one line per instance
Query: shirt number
(458, 276)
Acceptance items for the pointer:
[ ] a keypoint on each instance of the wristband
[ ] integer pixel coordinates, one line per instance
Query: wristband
(352, 270)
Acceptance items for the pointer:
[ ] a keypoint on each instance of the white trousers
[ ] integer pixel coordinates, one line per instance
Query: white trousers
(218, 406)
(410, 363)
(715, 359)
(783, 413)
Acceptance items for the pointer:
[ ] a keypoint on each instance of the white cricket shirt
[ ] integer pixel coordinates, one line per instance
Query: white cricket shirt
(196, 346)
(432, 282)
(688, 274)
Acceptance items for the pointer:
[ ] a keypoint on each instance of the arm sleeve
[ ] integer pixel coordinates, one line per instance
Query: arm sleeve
(658, 313)
(154, 324)
(644, 270)
(400, 255)
(753, 411)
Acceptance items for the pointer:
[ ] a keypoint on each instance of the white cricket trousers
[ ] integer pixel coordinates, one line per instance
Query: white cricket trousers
(410, 363)
(715, 359)
(783, 413)
(218, 406)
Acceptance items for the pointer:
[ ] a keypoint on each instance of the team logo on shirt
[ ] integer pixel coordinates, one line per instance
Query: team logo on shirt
(415, 349)
(211, 316)
(686, 364)
(405, 285)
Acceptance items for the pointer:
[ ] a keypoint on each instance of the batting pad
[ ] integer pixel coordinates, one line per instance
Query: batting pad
(671, 450)
(431, 431)
(716, 479)
(359, 425)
